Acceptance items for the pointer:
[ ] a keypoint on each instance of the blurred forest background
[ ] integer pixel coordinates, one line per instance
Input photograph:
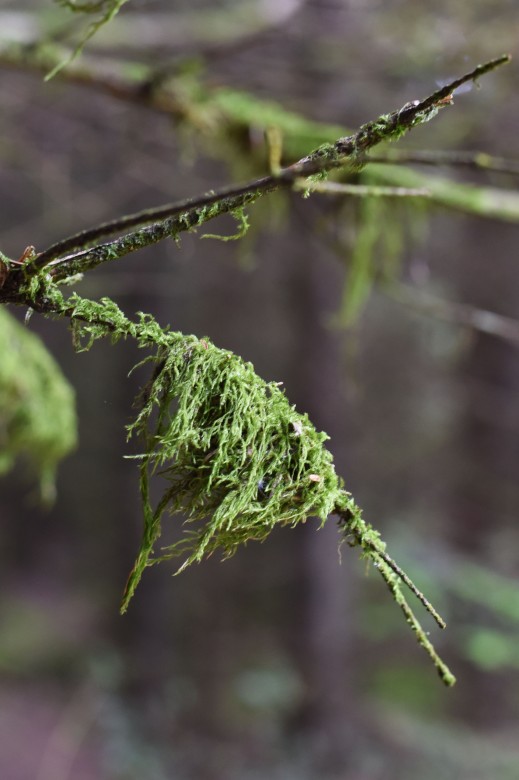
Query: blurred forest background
(280, 662)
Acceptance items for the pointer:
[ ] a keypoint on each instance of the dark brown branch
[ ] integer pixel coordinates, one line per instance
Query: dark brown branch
(174, 218)
(118, 225)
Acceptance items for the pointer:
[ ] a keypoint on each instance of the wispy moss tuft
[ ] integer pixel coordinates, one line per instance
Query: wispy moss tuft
(243, 226)
(105, 10)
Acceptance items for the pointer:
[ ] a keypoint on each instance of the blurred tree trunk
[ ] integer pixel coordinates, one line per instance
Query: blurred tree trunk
(485, 499)
(326, 640)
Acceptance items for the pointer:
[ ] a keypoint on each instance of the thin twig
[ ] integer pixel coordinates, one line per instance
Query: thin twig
(412, 587)
(421, 637)
(475, 160)
(461, 314)
(377, 549)
(361, 190)
(392, 575)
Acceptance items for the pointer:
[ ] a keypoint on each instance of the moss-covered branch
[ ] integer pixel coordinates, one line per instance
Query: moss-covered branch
(488, 202)
(63, 260)
(226, 113)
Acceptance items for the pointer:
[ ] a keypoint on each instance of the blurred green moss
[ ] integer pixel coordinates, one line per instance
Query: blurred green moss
(37, 408)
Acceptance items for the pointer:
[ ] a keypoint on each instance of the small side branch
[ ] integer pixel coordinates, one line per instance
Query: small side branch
(461, 314)
(362, 535)
(361, 190)
(412, 587)
(475, 160)
(392, 583)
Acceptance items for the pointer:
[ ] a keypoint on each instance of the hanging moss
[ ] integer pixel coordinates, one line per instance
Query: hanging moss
(362, 270)
(235, 454)
(37, 413)
(237, 460)
(236, 457)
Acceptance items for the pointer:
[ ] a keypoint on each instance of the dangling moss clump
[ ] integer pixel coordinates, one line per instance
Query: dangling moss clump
(238, 459)
(37, 409)
(236, 456)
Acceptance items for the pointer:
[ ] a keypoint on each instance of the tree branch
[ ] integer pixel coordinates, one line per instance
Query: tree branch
(172, 219)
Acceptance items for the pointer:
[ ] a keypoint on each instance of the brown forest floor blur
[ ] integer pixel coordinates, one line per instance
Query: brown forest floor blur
(279, 663)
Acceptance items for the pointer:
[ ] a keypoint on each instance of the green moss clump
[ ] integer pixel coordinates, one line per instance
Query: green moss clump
(37, 411)
(237, 458)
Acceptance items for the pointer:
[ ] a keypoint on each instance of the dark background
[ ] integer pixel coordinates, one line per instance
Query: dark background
(280, 662)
